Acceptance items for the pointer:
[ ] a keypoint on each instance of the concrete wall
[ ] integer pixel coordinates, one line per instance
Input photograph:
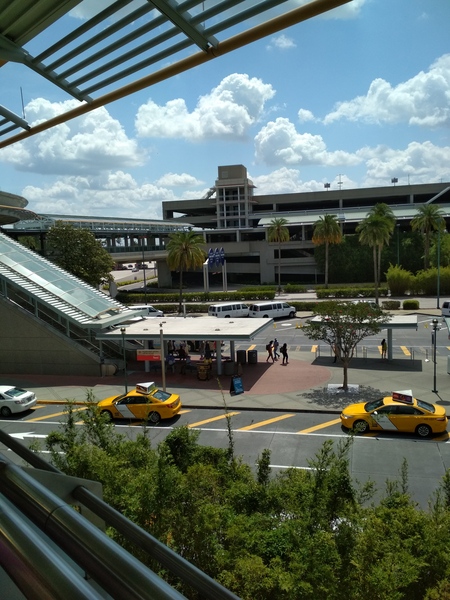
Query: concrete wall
(30, 346)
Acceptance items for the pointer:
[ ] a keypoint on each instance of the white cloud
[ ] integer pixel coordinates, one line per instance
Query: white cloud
(288, 181)
(279, 143)
(88, 144)
(422, 100)
(115, 194)
(305, 115)
(226, 113)
(417, 163)
(281, 42)
(178, 180)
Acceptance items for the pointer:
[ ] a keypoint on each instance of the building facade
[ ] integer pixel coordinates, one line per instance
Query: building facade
(233, 217)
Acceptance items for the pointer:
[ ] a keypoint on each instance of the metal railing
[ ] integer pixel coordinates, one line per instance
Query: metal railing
(113, 568)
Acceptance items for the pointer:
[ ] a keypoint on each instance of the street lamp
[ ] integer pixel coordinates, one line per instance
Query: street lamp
(123, 331)
(398, 244)
(435, 328)
(163, 358)
(143, 266)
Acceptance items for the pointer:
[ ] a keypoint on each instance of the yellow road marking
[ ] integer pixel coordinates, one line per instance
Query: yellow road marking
(230, 414)
(379, 349)
(58, 414)
(252, 347)
(314, 348)
(405, 350)
(261, 423)
(320, 426)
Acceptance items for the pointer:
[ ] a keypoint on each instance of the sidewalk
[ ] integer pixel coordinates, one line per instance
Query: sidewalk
(307, 383)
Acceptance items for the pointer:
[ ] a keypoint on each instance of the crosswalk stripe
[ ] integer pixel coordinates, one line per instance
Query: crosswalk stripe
(320, 426)
(262, 423)
(230, 414)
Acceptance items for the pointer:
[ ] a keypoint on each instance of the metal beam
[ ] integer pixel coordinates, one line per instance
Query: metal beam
(271, 27)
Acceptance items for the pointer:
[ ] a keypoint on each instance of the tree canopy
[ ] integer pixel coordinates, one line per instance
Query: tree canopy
(279, 234)
(375, 231)
(293, 535)
(429, 218)
(77, 251)
(327, 231)
(343, 325)
(185, 252)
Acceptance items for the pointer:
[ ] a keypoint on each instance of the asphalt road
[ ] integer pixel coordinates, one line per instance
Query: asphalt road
(292, 438)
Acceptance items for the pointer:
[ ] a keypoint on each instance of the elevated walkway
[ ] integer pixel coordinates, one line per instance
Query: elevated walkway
(50, 318)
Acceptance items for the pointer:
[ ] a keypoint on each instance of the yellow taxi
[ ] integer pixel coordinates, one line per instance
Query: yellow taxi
(399, 412)
(146, 402)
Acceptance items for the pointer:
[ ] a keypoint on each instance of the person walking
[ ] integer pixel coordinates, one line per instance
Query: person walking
(284, 353)
(269, 349)
(383, 348)
(276, 345)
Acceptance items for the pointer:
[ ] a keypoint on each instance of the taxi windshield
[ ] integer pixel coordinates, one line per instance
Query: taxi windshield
(373, 405)
(160, 395)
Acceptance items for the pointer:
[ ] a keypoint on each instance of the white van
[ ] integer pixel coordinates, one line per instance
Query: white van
(227, 310)
(151, 310)
(446, 309)
(271, 310)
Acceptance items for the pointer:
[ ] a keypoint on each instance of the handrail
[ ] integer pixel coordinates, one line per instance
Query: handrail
(22, 550)
(187, 572)
(117, 571)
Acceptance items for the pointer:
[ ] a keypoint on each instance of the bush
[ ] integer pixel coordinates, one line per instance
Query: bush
(399, 280)
(410, 304)
(349, 292)
(390, 304)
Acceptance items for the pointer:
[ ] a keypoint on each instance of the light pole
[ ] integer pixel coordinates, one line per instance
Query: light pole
(123, 331)
(435, 328)
(163, 358)
(438, 268)
(143, 266)
(398, 244)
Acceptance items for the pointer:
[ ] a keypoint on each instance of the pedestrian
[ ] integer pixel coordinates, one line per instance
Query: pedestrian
(335, 351)
(284, 353)
(383, 348)
(207, 351)
(269, 349)
(276, 345)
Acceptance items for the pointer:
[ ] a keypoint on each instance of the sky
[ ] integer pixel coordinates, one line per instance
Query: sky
(354, 98)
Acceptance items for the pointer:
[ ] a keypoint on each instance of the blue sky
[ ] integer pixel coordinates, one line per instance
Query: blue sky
(359, 95)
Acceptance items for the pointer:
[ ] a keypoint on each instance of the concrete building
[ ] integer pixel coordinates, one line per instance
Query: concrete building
(233, 217)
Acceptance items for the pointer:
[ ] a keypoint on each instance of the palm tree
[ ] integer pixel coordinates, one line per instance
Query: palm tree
(184, 253)
(429, 217)
(278, 233)
(383, 210)
(327, 231)
(374, 231)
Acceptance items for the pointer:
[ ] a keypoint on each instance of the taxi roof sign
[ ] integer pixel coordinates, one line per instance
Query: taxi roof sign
(405, 396)
(145, 388)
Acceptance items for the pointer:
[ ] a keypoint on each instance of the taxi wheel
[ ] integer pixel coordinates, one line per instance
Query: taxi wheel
(6, 412)
(423, 430)
(361, 426)
(154, 418)
(107, 414)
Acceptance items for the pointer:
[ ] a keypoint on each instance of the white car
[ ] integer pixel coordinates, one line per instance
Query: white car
(15, 400)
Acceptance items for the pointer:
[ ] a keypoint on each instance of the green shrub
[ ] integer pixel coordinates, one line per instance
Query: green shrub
(390, 304)
(399, 280)
(293, 288)
(349, 292)
(410, 304)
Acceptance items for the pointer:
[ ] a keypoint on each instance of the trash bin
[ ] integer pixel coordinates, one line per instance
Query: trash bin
(252, 357)
(228, 367)
(241, 357)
